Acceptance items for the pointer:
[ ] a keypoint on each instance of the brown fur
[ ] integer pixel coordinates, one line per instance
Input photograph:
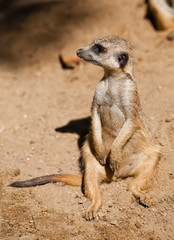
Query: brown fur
(162, 12)
(119, 143)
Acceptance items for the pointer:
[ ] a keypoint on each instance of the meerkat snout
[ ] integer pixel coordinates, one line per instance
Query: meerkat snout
(79, 52)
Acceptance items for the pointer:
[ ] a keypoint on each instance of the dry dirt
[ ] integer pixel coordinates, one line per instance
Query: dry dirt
(44, 112)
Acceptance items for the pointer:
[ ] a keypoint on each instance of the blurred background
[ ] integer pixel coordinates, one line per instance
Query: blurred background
(44, 116)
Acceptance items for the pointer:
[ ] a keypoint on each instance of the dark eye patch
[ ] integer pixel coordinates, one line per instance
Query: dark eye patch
(123, 59)
(98, 48)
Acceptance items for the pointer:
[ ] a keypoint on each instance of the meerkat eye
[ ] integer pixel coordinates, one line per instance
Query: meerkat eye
(98, 48)
(123, 59)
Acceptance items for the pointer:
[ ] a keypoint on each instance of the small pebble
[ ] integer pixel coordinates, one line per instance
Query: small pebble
(77, 195)
(114, 222)
(169, 119)
(74, 232)
(137, 224)
(171, 176)
(16, 172)
(162, 143)
(103, 218)
(25, 116)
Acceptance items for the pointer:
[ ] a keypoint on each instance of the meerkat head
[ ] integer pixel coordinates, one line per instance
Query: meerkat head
(110, 52)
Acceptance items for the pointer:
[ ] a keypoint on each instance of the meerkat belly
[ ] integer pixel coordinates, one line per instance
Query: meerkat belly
(112, 120)
(132, 155)
(132, 146)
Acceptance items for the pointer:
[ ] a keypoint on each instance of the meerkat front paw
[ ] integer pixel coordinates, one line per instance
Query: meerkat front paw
(100, 156)
(113, 160)
(101, 159)
(113, 165)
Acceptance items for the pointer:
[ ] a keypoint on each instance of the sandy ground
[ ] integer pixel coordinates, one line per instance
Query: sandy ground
(44, 112)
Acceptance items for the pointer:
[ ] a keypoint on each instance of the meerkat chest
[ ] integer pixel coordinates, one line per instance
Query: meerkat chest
(113, 100)
(110, 95)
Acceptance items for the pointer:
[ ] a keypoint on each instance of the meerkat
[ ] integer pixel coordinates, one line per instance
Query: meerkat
(162, 12)
(119, 143)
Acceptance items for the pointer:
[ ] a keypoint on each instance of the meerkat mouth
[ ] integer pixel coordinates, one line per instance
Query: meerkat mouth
(89, 58)
(92, 61)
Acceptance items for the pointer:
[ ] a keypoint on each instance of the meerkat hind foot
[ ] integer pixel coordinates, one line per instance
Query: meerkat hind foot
(170, 36)
(145, 201)
(92, 210)
(142, 197)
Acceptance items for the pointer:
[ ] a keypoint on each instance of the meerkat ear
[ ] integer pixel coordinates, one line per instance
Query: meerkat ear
(123, 59)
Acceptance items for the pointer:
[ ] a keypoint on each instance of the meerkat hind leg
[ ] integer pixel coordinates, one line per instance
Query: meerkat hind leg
(135, 187)
(94, 174)
(142, 177)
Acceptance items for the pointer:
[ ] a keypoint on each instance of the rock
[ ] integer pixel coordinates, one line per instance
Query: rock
(162, 142)
(171, 176)
(114, 222)
(16, 172)
(138, 224)
(169, 119)
(25, 116)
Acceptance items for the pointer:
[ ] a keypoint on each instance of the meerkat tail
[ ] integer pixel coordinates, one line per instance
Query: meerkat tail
(73, 180)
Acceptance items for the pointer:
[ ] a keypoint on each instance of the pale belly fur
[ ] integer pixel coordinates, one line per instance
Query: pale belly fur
(132, 154)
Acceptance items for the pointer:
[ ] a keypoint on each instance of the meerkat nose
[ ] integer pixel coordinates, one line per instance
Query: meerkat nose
(79, 52)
